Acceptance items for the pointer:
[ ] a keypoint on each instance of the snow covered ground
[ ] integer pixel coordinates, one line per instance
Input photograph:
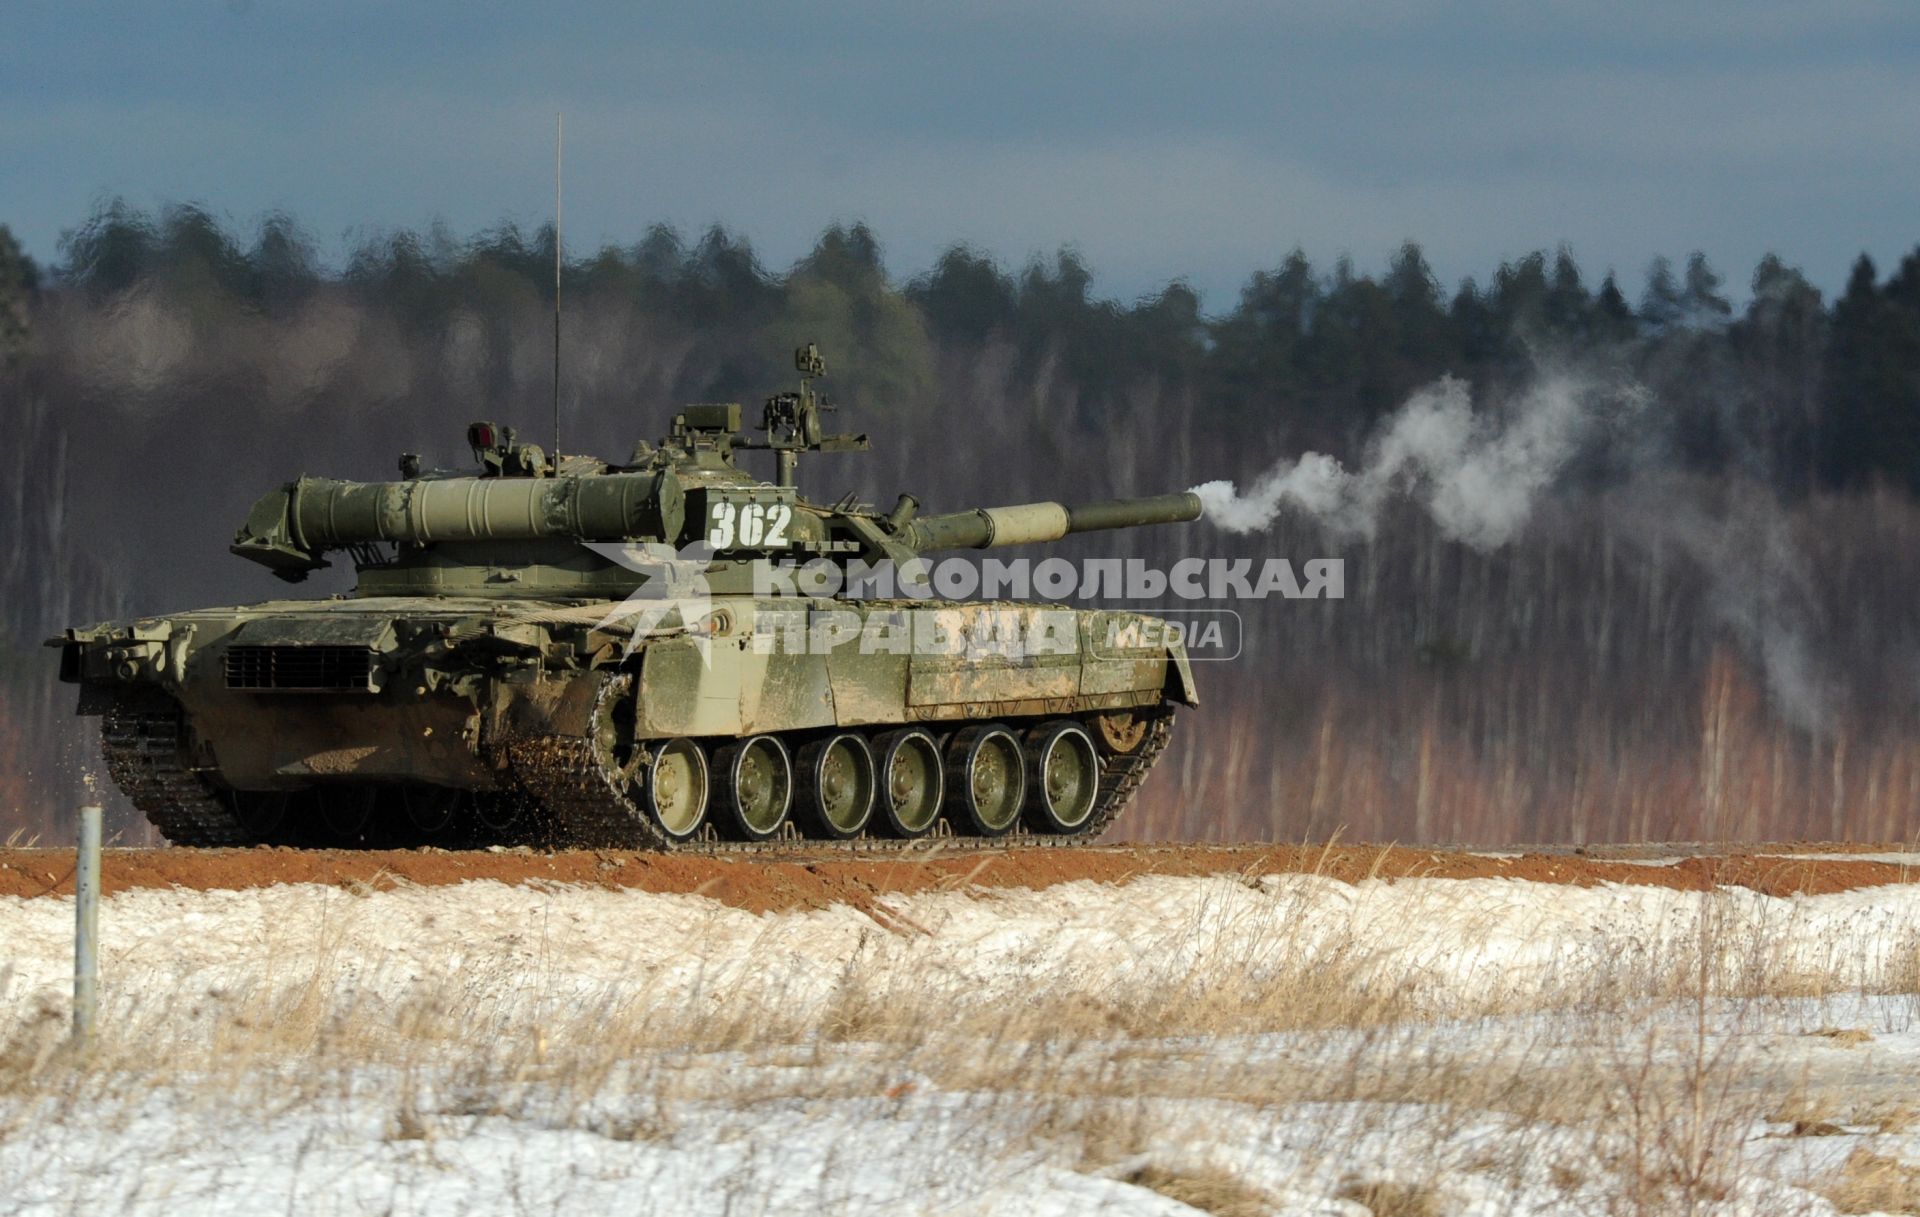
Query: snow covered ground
(1286, 1044)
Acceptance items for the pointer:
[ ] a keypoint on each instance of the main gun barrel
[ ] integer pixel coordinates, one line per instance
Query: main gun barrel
(996, 527)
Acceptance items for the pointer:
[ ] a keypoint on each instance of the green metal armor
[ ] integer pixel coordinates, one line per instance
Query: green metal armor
(639, 654)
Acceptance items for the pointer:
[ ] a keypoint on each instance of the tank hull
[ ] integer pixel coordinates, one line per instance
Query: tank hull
(376, 720)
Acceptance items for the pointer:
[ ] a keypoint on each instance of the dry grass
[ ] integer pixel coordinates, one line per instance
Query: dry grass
(1870, 1183)
(1637, 1092)
(1215, 1192)
(1384, 1198)
(1846, 1037)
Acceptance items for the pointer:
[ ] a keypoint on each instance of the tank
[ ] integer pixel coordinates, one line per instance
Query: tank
(664, 653)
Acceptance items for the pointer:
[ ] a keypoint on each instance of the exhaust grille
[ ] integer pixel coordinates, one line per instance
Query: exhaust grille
(309, 669)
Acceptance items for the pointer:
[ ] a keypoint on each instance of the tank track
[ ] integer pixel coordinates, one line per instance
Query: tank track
(572, 799)
(143, 747)
(577, 804)
(575, 801)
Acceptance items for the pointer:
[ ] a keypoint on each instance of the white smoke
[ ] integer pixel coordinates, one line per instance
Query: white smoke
(1758, 578)
(1478, 474)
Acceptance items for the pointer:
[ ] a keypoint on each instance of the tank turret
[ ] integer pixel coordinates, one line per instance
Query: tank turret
(687, 490)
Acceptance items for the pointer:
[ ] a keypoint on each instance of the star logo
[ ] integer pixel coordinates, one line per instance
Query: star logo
(673, 597)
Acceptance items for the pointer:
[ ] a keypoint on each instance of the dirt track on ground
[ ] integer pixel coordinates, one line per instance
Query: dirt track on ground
(816, 880)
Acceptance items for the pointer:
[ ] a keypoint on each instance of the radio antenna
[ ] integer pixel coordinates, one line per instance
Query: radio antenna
(559, 145)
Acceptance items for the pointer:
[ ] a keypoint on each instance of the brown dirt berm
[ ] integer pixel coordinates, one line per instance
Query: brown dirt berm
(803, 880)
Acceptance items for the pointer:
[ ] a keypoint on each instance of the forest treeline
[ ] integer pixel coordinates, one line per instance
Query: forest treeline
(1618, 670)
(1800, 391)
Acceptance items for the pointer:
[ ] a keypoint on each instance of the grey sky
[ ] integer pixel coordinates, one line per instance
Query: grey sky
(1198, 140)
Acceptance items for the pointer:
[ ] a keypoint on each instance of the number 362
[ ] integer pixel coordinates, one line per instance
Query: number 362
(749, 524)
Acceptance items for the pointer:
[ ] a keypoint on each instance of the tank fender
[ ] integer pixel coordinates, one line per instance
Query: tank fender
(1180, 686)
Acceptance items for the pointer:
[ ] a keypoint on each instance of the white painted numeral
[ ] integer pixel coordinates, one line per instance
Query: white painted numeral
(720, 536)
(778, 517)
(753, 524)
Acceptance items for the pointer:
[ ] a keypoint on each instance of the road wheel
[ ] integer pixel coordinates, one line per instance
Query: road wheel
(431, 810)
(620, 754)
(676, 788)
(754, 781)
(911, 782)
(496, 817)
(837, 786)
(262, 812)
(1063, 777)
(986, 780)
(346, 812)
